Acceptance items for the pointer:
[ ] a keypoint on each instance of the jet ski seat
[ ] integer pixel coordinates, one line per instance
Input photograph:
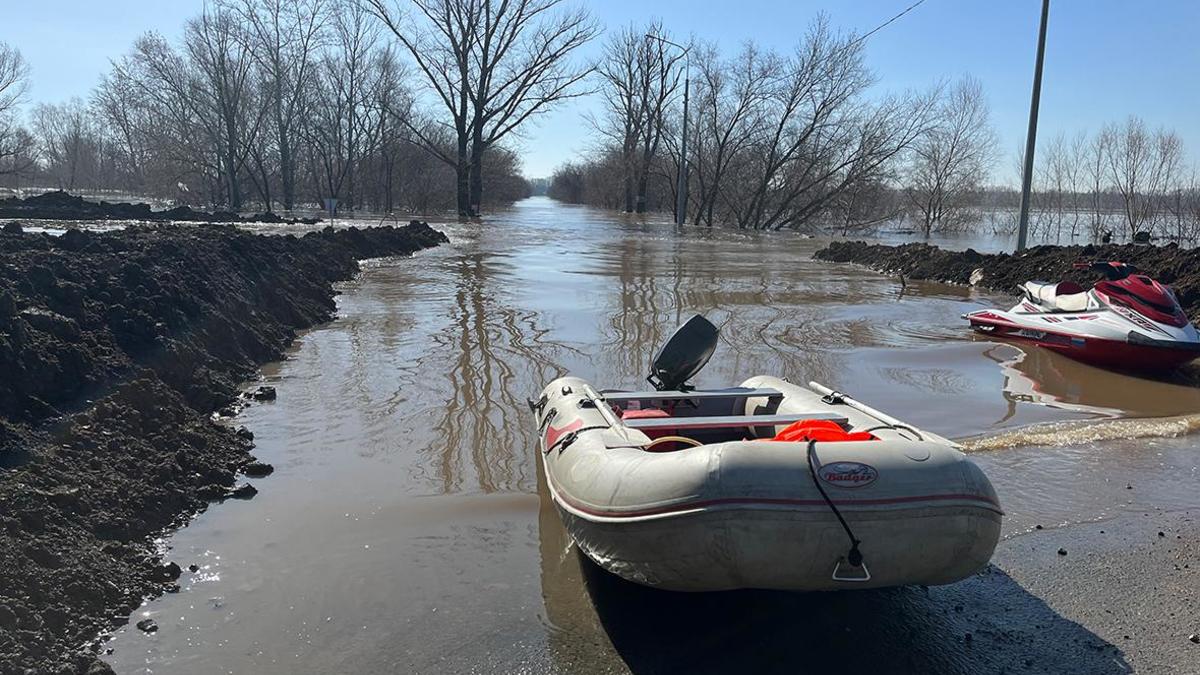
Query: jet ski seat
(1065, 296)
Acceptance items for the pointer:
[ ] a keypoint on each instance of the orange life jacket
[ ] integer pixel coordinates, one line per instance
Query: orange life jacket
(820, 431)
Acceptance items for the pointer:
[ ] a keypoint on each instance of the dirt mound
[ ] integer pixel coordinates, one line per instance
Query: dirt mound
(116, 348)
(60, 205)
(1169, 264)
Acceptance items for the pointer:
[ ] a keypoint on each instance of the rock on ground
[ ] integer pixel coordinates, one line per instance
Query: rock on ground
(115, 348)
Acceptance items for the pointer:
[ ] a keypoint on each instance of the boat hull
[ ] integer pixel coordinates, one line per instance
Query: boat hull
(783, 548)
(1110, 352)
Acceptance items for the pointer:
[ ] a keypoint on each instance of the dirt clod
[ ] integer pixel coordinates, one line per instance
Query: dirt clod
(243, 491)
(258, 470)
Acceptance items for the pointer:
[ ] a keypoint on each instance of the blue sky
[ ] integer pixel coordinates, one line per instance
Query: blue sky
(1105, 59)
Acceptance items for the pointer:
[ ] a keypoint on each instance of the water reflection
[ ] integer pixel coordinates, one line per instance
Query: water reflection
(1042, 377)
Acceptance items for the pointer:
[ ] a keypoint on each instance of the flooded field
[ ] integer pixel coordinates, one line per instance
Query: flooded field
(406, 528)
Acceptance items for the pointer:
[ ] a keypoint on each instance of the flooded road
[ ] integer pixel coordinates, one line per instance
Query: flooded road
(406, 528)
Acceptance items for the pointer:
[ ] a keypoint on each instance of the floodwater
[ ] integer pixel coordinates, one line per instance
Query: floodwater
(406, 527)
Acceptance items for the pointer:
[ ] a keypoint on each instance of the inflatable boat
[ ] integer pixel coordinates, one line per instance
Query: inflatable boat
(765, 485)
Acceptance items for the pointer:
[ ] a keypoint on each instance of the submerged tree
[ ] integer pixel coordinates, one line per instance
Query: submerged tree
(951, 159)
(778, 141)
(492, 66)
(639, 78)
(1140, 166)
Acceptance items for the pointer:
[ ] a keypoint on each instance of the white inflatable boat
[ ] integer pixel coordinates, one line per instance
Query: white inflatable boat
(766, 485)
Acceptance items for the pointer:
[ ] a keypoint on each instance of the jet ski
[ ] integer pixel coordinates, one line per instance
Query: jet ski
(1126, 321)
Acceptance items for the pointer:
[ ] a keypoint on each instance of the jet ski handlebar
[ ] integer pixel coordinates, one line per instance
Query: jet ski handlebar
(1114, 270)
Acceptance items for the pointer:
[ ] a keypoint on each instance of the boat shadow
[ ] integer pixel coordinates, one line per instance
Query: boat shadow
(985, 624)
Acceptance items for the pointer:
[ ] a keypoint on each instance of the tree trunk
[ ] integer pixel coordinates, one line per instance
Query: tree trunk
(287, 171)
(629, 189)
(477, 150)
(462, 172)
(235, 193)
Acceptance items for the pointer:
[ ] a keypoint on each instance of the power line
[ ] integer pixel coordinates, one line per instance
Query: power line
(883, 25)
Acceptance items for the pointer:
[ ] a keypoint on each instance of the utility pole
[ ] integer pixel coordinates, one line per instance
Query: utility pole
(1031, 137)
(681, 195)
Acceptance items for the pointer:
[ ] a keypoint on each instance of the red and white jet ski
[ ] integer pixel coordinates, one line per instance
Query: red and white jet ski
(1126, 321)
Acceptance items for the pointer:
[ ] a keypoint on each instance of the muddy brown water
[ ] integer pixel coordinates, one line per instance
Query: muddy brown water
(406, 528)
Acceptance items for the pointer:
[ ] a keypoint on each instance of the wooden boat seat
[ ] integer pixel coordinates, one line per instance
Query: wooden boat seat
(728, 421)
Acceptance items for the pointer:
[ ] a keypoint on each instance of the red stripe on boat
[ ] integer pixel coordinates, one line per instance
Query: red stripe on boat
(750, 501)
(553, 434)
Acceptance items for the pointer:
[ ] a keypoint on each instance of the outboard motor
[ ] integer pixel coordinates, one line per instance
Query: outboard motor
(684, 354)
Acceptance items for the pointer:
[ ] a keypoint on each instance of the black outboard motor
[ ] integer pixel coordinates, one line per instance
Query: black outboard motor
(684, 354)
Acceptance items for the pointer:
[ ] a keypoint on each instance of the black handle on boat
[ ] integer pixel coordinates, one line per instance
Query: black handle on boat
(536, 406)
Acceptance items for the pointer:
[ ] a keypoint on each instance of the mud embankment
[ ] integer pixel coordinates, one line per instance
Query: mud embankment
(115, 350)
(1169, 264)
(62, 206)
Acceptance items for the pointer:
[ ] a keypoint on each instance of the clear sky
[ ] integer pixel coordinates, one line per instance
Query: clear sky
(1105, 59)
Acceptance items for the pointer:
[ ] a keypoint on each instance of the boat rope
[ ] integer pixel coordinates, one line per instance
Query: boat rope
(896, 427)
(853, 556)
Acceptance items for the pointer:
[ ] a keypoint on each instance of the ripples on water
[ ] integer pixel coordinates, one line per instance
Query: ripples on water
(1066, 434)
(405, 528)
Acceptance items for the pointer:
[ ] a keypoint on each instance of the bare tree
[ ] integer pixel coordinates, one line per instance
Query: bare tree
(781, 142)
(226, 93)
(639, 77)
(206, 96)
(1075, 170)
(70, 143)
(338, 124)
(1139, 165)
(729, 98)
(1095, 173)
(1182, 207)
(492, 66)
(14, 78)
(522, 51)
(123, 112)
(283, 36)
(818, 143)
(951, 160)
(16, 145)
(1052, 182)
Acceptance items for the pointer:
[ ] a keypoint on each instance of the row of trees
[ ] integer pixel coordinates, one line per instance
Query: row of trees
(288, 102)
(798, 141)
(778, 140)
(1125, 177)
